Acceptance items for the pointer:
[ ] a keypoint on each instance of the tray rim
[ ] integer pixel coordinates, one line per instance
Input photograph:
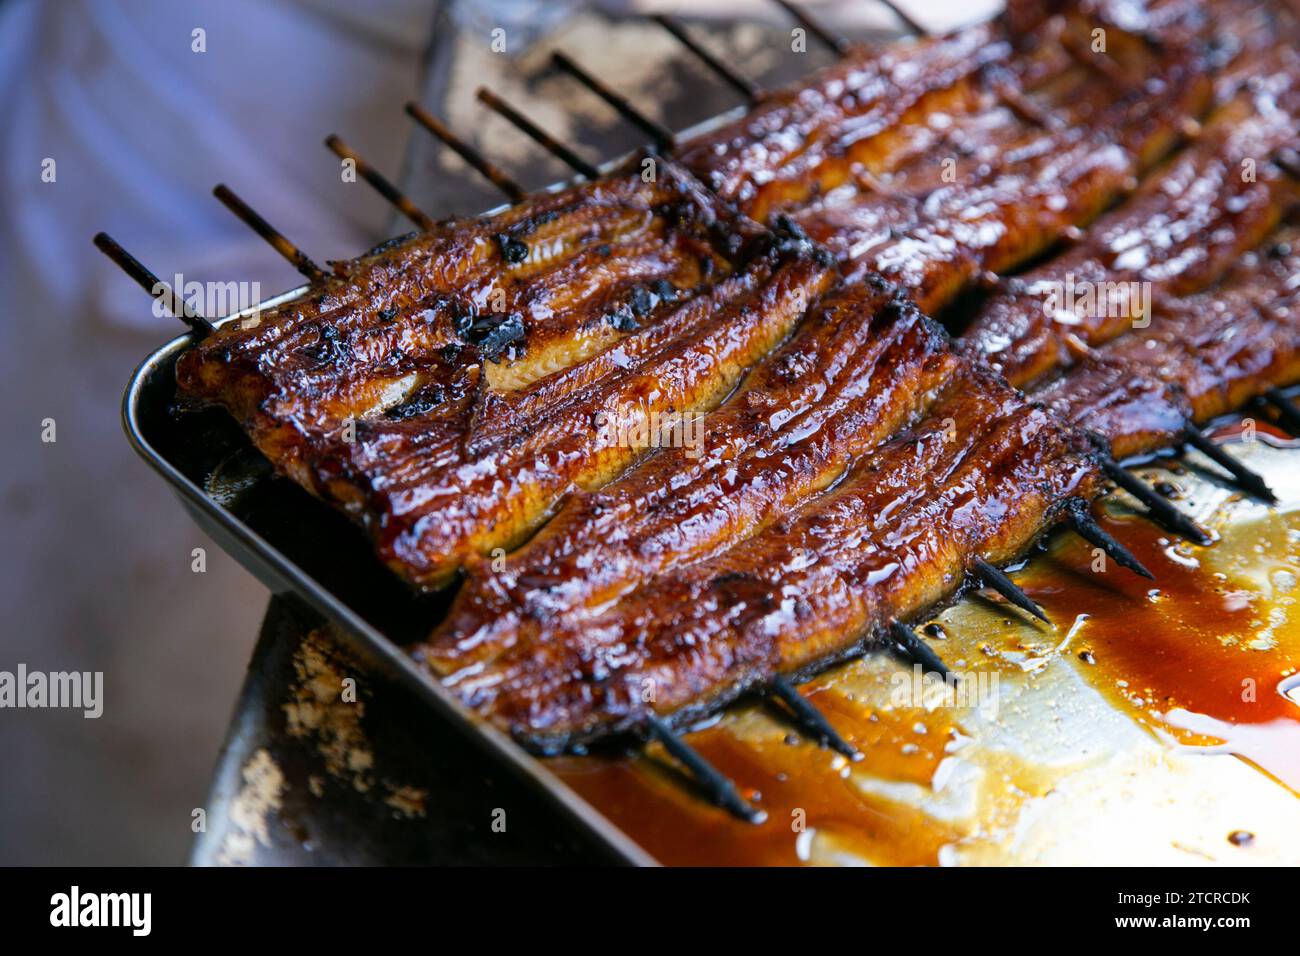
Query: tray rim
(389, 655)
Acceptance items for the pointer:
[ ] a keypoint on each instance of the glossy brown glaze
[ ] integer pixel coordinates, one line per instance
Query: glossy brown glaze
(995, 214)
(431, 512)
(1191, 643)
(979, 476)
(541, 286)
(1202, 356)
(455, 392)
(861, 112)
(1185, 227)
(864, 363)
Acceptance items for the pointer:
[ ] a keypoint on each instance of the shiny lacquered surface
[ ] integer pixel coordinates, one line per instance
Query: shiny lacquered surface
(852, 468)
(1153, 723)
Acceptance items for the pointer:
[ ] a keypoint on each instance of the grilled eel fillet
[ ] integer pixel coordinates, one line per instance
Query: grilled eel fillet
(982, 474)
(517, 295)
(874, 109)
(438, 497)
(864, 364)
(1177, 235)
(1202, 356)
(863, 111)
(383, 391)
(425, 366)
(939, 238)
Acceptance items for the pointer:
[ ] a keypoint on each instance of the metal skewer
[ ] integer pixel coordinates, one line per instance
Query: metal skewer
(745, 86)
(1287, 411)
(381, 185)
(295, 256)
(481, 164)
(1079, 519)
(836, 45)
(1164, 512)
(906, 18)
(719, 789)
(537, 134)
(164, 293)
(1244, 476)
(662, 136)
(810, 719)
(1103, 66)
(994, 578)
(916, 650)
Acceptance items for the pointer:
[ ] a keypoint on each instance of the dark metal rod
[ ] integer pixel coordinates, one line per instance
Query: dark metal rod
(720, 790)
(1023, 108)
(745, 86)
(1102, 65)
(907, 19)
(813, 722)
(837, 44)
(1079, 519)
(381, 185)
(246, 214)
(993, 577)
(916, 649)
(1161, 510)
(1245, 477)
(1288, 160)
(537, 134)
(662, 136)
(160, 290)
(481, 164)
(1287, 411)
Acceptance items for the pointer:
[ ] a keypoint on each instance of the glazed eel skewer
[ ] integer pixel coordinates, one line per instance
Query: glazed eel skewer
(981, 475)
(675, 509)
(1202, 356)
(815, 583)
(364, 395)
(1182, 230)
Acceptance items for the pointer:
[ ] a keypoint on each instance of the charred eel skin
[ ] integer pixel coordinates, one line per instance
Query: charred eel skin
(981, 475)
(1202, 356)
(435, 512)
(1185, 227)
(414, 360)
(864, 364)
(542, 286)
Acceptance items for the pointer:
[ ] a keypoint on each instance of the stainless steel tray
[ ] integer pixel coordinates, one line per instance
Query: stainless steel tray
(296, 544)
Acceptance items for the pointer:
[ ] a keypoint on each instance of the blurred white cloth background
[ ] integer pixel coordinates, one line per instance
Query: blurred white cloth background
(141, 127)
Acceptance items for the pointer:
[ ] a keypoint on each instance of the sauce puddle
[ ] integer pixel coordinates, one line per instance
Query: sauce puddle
(1206, 658)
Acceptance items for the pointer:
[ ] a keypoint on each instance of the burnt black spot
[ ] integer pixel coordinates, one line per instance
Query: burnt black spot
(420, 404)
(463, 315)
(387, 315)
(391, 244)
(623, 319)
(641, 301)
(603, 249)
(665, 290)
(495, 334)
(512, 250)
